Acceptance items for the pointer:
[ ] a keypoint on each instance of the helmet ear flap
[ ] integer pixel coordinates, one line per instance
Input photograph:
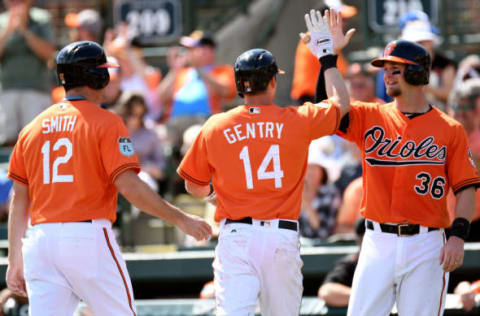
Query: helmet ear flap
(98, 78)
(416, 75)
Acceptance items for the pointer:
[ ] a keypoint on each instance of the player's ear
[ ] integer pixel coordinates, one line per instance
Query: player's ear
(273, 82)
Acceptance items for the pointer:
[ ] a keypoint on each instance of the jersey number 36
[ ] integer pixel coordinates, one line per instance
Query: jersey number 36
(437, 189)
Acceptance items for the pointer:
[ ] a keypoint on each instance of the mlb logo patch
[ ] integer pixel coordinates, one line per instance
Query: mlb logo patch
(126, 146)
(254, 110)
(62, 106)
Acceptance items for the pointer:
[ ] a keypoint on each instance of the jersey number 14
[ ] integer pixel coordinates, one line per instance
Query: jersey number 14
(273, 154)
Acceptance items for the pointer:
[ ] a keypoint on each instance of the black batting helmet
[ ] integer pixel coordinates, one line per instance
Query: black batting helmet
(83, 64)
(254, 69)
(413, 55)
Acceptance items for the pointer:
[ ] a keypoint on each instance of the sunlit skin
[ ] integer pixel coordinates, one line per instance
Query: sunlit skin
(393, 78)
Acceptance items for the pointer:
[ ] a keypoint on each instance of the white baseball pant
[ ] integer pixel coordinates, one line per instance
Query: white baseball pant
(405, 270)
(68, 262)
(254, 262)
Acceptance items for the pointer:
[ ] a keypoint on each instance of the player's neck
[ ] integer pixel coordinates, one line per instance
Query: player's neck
(94, 96)
(260, 99)
(413, 101)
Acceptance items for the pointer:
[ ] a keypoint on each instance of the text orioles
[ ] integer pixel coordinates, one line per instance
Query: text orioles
(426, 152)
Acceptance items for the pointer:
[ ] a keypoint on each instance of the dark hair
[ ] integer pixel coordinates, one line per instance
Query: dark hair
(128, 101)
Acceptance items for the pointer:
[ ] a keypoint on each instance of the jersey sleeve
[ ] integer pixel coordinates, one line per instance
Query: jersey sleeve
(356, 123)
(16, 168)
(461, 168)
(194, 167)
(117, 150)
(324, 117)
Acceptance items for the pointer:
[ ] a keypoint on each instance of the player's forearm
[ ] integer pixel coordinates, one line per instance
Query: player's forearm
(17, 221)
(40, 47)
(199, 191)
(337, 89)
(335, 294)
(465, 205)
(142, 196)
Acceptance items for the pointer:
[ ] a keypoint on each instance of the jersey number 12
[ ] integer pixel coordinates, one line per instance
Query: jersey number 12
(273, 154)
(62, 142)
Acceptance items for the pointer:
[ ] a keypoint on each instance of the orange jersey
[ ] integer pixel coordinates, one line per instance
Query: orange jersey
(409, 164)
(256, 157)
(69, 156)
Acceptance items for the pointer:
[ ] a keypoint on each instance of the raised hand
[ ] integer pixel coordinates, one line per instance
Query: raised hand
(335, 23)
(320, 40)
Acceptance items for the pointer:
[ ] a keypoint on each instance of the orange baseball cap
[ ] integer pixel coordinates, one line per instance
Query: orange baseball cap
(346, 11)
(88, 19)
(198, 38)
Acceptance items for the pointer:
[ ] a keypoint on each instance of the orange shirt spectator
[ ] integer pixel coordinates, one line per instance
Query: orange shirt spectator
(306, 71)
(349, 211)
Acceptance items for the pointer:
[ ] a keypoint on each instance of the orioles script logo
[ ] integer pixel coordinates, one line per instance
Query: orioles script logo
(388, 50)
(390, 153)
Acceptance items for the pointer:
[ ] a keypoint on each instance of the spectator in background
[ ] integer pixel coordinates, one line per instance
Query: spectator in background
(113, 92)
(468, 294)
(442, 74)
(349, 210)
(26, 44)
(145, 141)
(468, 68)
(320, 199)
(194, 87)
(336, 287)
(306, 64)
(465, 102)
(87, 25)
(361, 84)
(135, 74)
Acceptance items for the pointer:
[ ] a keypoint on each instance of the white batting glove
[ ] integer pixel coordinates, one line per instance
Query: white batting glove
(321, 41)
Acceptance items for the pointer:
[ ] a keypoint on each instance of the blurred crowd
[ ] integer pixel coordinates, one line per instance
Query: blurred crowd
(164, 111)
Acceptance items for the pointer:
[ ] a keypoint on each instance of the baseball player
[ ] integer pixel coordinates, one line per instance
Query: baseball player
(255, 156)
(412, 155)
(68, 166)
